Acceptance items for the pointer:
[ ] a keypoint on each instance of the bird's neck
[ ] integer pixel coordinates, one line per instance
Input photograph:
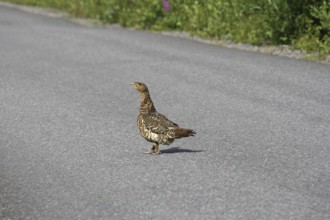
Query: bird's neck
(146, 104)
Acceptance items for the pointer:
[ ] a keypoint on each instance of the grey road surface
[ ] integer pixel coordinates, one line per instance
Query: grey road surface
(70, 148)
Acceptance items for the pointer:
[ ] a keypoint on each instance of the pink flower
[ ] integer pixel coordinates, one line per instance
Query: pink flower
(166, 5)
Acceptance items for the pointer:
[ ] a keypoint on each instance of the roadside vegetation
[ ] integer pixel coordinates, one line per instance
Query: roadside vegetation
(302, 24)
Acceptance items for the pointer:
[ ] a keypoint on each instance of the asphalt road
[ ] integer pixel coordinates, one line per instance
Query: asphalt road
(70, 148)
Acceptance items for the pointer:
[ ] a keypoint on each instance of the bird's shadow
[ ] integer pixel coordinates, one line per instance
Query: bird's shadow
(179, 150)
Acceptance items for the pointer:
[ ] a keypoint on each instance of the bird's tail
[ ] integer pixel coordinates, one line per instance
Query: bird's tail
(184, 132)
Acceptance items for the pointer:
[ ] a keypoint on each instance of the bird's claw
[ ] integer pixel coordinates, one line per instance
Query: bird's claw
(153, 152)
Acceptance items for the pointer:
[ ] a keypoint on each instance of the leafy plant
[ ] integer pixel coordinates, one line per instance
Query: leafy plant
(303, 23)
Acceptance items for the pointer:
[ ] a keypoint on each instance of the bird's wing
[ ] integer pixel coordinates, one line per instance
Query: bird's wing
(158, 123)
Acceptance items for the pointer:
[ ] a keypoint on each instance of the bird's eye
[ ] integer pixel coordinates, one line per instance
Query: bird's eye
(139, 84)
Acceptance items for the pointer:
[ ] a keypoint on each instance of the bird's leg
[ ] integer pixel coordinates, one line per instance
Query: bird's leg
(157, 151)
(152, 150)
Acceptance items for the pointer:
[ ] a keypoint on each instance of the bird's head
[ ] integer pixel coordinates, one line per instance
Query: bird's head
(140, 87)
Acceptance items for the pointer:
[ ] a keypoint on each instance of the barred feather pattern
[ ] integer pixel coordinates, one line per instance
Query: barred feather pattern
(154, 126)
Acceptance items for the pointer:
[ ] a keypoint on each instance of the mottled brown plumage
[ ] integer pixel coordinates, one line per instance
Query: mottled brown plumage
(155, 127)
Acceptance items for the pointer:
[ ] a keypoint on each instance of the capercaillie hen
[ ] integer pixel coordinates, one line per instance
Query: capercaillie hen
(155, 127)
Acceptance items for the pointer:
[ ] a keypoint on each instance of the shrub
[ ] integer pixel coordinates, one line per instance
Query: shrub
(303, 23)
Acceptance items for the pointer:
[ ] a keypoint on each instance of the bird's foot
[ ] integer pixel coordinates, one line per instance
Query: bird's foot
(150, 152)
(157, 152)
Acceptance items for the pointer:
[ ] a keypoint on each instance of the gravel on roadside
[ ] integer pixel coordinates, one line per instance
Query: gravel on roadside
(279, 50)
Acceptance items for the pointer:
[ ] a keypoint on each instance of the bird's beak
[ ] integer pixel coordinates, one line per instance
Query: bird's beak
(132, 84)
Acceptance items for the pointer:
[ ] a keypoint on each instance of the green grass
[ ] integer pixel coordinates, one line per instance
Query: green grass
(303, 24)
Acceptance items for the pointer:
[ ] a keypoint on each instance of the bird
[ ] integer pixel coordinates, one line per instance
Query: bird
(155, 127)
